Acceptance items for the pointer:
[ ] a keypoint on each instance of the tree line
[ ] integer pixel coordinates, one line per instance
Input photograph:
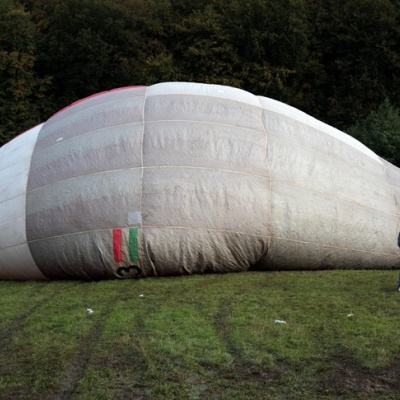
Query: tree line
(338, 60)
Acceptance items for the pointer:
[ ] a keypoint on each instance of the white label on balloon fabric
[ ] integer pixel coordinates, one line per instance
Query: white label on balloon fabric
(134, 218)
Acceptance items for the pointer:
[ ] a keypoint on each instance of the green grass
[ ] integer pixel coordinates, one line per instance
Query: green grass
(203, 337)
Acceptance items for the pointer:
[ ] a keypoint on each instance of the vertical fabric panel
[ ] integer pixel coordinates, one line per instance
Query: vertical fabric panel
(205, 196)
(84, 181)
(332, 202)
(16, 261)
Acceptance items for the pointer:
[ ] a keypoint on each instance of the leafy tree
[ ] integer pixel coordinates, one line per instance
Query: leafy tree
(20, 87)
(380, 131)
(354, 61)
(255, 45)
(335, 59)
(157, 26)
(272, 42)
(207, 53)
(87, 46)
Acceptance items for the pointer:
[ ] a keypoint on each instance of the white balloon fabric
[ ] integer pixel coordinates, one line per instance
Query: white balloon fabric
(185, 178)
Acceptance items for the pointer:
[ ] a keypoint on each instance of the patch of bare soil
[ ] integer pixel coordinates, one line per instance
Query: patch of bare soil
(348, 377)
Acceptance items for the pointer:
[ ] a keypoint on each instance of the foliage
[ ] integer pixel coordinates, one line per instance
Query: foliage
(87, 46)
(245, 44)
(380, 131)
(211, 337)
(336, 60)
(354, 61)
(21, 91)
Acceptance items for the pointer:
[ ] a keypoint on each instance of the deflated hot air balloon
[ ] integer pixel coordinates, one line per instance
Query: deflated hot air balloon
(183, 178)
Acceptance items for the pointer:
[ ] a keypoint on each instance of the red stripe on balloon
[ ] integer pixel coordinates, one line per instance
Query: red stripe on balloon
(117, 247)
(98, 94)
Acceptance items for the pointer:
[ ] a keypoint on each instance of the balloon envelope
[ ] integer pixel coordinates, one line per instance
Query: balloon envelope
(182, 178)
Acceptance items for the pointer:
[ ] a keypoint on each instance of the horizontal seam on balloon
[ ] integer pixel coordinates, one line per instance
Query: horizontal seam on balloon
(25, 243)
(12, 198)
(85, 109)
(351, 165)
(335, 158)
(332, 246)
(12, 220)
(314, 123)
(138, 123)
(98, 95)
(18, 161)
(152, 226)
(291, 183)
(22, 142)
(322, 125)
(260, 132)
(220, 170)
(150, 167)
(392, 171)
(23, 171)
(83, 134)
(13, 245)
(223, 231)
(211, 97)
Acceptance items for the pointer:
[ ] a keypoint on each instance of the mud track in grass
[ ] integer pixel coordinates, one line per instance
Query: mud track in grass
(8, 331)
(77, 367)
(347, 378)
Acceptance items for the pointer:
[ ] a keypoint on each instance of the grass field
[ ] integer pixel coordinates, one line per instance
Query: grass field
(203, 337)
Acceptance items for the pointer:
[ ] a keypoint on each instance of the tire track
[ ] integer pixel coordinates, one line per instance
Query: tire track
(77, 367)
(7, 332)
(222, 328)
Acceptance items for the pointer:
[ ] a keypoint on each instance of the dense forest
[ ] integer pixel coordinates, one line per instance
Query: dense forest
(338, 60)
